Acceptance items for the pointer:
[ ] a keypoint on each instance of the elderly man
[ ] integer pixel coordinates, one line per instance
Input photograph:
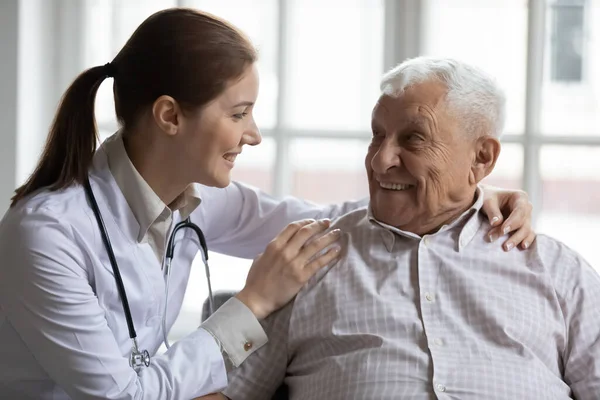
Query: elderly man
(422, 306)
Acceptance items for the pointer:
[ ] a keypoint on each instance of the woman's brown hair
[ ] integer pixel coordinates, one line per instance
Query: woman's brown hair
(183, 53)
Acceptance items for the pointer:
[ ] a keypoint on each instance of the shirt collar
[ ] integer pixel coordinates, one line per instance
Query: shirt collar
(468, 223)
(145, 204)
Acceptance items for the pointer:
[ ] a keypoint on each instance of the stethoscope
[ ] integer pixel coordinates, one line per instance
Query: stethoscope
(140, 358)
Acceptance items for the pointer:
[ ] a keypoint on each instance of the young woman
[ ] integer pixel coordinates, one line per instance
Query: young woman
(85, 246)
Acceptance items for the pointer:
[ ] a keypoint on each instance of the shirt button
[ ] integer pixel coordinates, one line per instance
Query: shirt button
(440, 387)
(438, 342)
(426, 241)
(429, 297)
(248, 346)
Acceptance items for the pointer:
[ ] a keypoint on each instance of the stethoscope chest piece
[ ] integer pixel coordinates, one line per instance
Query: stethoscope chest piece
(139, 359)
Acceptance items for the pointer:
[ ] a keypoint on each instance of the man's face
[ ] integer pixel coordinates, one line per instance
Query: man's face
(419, 162)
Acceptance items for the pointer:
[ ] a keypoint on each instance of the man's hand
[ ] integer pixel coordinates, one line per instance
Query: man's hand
(516, 207)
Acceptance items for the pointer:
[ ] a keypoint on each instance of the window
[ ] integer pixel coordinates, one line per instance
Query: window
(567, 41)
(320, 65)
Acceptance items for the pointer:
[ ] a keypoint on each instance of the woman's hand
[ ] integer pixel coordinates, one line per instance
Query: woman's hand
(288, 262)
(515, 206)
(214, 396)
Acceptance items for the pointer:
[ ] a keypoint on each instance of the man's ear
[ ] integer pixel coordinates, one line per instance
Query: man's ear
(487, 150)
(167, 114)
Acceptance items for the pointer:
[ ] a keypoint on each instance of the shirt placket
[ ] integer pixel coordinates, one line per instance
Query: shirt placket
(435, 333)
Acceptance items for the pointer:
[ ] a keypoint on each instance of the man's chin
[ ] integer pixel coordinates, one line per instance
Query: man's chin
(397, 216)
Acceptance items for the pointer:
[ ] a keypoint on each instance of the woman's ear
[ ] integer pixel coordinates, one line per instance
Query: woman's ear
(487, 150)
(167, 114)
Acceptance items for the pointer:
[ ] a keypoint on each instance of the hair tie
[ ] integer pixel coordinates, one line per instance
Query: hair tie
(110, 70)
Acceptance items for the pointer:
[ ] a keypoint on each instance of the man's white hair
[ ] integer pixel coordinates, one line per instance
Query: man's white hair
(472, 94)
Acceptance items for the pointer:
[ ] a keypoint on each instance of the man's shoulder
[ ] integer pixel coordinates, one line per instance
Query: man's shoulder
(552, 251)
(351, 221)
(567, 268)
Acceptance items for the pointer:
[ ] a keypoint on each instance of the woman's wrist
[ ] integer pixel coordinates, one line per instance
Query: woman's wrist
(253, 303)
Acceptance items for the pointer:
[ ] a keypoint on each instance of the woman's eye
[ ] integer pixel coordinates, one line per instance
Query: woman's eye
(240, 115)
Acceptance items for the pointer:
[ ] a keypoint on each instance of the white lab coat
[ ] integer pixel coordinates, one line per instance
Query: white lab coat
(63, 332)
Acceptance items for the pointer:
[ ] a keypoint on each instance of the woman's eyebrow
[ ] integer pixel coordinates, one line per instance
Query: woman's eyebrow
(243, 103)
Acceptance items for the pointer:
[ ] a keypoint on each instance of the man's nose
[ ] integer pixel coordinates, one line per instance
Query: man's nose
(252, 135)
(387, 156)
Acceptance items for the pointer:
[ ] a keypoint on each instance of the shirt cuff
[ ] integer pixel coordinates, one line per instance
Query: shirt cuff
(237, 330)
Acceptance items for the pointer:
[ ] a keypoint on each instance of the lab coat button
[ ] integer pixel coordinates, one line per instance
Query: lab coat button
(248, 346)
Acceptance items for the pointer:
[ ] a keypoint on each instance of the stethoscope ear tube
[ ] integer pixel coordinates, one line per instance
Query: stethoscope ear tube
(111, 257)
(168, 260)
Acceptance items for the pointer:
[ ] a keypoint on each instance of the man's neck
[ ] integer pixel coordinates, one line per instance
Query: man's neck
(446, 217)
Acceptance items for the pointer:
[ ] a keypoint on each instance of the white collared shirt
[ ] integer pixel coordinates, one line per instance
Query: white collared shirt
(443, 316)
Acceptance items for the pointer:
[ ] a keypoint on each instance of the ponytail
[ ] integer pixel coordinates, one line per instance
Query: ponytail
(72, 140)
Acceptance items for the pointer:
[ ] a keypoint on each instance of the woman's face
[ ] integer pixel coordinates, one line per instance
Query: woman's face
(216, 134)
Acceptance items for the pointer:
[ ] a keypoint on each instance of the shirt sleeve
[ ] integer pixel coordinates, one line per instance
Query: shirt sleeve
(578, 288)
(261, 375)
(240, 220)
(237, 330)
(46, 295)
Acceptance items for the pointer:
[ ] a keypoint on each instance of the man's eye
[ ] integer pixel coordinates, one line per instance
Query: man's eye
(415, 138)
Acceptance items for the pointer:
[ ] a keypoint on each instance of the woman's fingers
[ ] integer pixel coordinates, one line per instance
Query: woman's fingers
(516, 238)
(316, 246)
(289, 231)
(304, 234)
(491, 208)
(321, 261)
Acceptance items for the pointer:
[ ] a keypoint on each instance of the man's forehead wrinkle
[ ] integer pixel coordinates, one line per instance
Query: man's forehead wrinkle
(427, 116)
(381, 106)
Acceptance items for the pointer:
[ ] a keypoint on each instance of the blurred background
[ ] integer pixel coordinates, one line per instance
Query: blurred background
(320, 65)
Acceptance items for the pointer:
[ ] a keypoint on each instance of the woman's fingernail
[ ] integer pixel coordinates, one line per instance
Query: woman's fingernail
(495, 220)
(492, 237)
(525, 245)
(509, 246)
(506, 229)
(336, 232)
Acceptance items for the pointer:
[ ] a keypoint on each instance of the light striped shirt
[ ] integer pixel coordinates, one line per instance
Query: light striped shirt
(443, 316)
